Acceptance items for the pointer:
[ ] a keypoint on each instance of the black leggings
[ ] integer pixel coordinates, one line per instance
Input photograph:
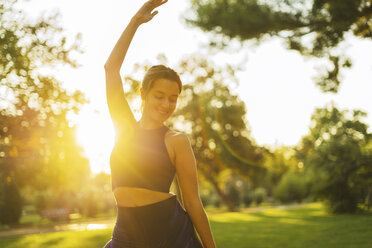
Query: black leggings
(163, 224)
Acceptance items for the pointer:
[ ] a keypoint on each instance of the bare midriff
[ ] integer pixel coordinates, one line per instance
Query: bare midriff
(136, 197)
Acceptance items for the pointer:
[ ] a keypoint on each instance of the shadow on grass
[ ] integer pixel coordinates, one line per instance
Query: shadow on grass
(65, 239)
(309, 226)
(53, 242)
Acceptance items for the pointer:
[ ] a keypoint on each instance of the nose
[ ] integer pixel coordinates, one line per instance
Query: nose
(165, 104)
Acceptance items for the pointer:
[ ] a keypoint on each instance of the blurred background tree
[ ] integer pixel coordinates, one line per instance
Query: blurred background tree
(291, 188)
(285, 179)
(337, 157)
(38, 150)
(313, 28)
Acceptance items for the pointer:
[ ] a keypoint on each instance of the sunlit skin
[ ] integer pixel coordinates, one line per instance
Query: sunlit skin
(159, 103)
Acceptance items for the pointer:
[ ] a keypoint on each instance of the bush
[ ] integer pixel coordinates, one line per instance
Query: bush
(259, 195)
(233, 194)
(10, 203)
(248, 198)
(292, 187)
(210, 199)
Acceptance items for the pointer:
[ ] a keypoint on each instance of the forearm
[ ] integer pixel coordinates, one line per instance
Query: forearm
(117, 55)
(200, 221)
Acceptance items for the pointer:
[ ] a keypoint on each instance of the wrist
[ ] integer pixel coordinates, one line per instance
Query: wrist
(136, 20)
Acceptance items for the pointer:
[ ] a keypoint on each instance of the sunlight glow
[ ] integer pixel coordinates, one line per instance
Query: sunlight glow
(96, 135)
(83, 227)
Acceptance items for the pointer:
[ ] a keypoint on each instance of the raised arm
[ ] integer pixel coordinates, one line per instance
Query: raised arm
(187, 177)
(119, 109)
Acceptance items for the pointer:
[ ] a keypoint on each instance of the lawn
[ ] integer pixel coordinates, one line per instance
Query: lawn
(305, 227)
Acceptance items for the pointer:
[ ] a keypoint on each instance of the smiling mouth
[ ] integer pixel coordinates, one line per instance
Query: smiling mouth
(162, 112)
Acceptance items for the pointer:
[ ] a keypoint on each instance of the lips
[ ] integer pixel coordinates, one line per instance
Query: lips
(162, 112)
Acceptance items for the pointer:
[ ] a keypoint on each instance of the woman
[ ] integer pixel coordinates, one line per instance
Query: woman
(146, 157)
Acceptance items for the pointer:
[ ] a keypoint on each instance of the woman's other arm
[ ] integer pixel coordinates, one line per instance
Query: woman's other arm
(118, 106)
(187, 176)
(119, 109)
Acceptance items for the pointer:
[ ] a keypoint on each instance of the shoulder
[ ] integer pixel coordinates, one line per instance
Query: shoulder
(176, 144)
(181, 152)
(177, 139)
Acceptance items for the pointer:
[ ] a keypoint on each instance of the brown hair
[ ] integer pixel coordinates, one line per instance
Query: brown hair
(159, 72)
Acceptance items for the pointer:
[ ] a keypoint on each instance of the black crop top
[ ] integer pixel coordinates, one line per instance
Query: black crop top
(142, 160)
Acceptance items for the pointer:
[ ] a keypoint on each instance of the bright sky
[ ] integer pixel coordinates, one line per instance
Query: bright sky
(276, 84)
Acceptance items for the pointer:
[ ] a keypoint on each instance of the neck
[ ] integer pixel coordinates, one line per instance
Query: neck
(149, 124)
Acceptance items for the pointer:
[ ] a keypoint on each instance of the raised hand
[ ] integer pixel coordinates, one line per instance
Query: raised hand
(146, 13)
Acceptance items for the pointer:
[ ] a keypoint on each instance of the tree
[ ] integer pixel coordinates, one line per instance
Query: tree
(292, 187)
(314, 28)
(335, 158)
(277, 163)
(36, 138)
(216, 124)
(367, 151)
(10, 202)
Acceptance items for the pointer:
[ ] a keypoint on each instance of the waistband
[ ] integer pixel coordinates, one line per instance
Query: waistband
(151, 205)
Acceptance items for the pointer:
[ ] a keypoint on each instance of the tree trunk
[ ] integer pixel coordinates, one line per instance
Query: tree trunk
(225, 198)
(367, 200)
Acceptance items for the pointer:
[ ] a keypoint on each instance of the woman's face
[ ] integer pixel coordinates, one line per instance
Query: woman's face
(161, 100)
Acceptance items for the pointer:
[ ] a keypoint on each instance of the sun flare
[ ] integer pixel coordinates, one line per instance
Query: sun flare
(95, 133)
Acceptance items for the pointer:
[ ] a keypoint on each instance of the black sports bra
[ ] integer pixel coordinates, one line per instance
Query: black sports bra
(142, 160)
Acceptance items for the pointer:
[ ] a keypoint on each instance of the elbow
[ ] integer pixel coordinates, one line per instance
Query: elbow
(193, 204)
(109, 67)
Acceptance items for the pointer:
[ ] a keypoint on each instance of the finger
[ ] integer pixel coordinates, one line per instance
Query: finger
(155, 2)
(154, 13)
(161, 3)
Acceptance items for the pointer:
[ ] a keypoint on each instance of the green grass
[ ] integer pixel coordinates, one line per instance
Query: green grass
(309, 226)
(34, 219)
(70, 239)
(305, 227)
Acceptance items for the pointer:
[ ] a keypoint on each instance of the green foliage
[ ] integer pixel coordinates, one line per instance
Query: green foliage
(92, 198)
(248, 198)
(97, 196)
(314, 28)
(210, 199)
(277, 162)
(259, 195)
(233, 193)
(238, 189)
(335, 158)
(38, 149)
(10, 202)
(244, 20)
(216, 120)
(292, 187)
(216, 125)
